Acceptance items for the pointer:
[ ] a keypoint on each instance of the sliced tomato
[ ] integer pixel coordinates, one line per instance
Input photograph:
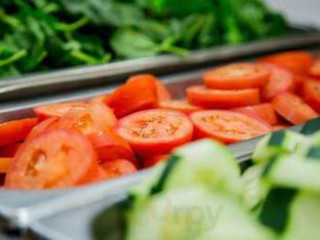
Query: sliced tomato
(15, 131)
(293, 108)
(151, 161)
(4, 164)
(99, 99)
(281, 80)
(57, 110)
(137, 94)
(153, 132)
(54, 159)
(314, 70)
(99, 176)
(180, 106)
(95, 118)
(264, 112)
(110, 146)
(43, 126)
(8, 151)
(227, 126)
(237, 76)
(162, 92)
(311, 93)
(296, 61)
(280, 127)
(118, 168)
(210, 98)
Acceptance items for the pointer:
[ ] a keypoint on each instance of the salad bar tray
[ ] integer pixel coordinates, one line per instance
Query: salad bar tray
(21, 209)
(109, 74)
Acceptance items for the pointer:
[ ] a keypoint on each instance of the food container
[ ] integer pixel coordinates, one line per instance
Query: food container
(108, 74)
(67, 214)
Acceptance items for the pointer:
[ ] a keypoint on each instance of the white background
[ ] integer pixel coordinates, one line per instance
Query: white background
(305, 12)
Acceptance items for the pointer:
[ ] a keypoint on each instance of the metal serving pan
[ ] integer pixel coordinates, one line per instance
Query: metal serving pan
(109, 214)
(20, 208)
(107, 74)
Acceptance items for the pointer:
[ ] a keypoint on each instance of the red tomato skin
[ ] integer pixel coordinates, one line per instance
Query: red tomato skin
(202, 132)
(162, 91)
(110, 146)
(19, 178)
(118, 168)
(263, 112)
(215, 78)
(150, 146)
(296, 61)
(139, 93)
(42, 127)
(180, 106)
(281, 80)
(57, 110)
(311, 94)
(15, 131)
(222, 99)
(293, 108)
(8, 151)
(314, 70)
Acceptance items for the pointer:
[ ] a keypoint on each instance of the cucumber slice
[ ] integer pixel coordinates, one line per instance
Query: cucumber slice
(194, 213)
(293, 171)
(277, 143)
(207, 163)
(254, 189)
(311, 127)
(304, 217)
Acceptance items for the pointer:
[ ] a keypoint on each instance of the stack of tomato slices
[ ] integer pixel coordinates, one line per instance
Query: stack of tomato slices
(138, 125)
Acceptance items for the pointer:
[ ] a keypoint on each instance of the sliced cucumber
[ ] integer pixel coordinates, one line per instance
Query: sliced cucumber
(194, 213)
(304, 218)
(293, 171)
(311, 127)
(207, 163)
(254, 189)
(277, 143)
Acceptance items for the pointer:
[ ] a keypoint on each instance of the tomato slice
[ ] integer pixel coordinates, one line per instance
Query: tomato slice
(95, 118)
(158, 131)
(237, 76)
(151, 161)
(311, 93)
(137, 94)
(293, 108)
(52, 160)
(314, 70)
(118, 168)
(110, 146)
(4, 164)
(99, 99)
(43, 126)
(227, 126)
(210, 98)
(180, 106)
(281, 81)
(14, 131)
(99, 176)
(264, 112)
(8, 151)
(296, 61)
(57, 110)
(162, 92)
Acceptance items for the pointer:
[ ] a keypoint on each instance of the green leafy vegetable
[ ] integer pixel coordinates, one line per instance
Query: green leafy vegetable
(41, 35)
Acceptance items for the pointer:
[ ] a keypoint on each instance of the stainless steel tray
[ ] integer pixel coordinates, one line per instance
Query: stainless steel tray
(19, 209)
(77, 223)
(108, 74)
